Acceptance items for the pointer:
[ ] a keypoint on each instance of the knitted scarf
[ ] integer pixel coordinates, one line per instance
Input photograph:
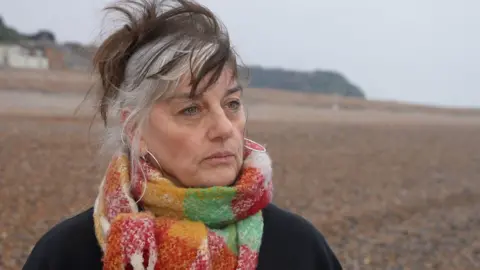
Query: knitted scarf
(147, 222)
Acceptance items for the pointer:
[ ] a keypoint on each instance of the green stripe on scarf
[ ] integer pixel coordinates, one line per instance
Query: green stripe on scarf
(212, 206)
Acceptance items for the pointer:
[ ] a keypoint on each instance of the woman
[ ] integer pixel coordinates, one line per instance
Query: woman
(185, 189)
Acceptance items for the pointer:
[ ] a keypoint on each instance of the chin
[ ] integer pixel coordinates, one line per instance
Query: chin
(219, 177)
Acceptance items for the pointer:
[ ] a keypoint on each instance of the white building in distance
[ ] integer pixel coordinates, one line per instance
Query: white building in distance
(22, 56)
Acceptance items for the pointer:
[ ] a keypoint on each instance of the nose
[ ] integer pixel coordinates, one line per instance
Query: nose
(221, 126)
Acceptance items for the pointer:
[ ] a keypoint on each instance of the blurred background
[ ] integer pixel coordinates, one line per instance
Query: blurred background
(370, 109)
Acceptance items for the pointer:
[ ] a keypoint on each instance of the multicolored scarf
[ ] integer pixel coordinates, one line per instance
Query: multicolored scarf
(171, 227)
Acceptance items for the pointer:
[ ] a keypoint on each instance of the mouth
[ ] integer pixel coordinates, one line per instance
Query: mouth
(220, 157)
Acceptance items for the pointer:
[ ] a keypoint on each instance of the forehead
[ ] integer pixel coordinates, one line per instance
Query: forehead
(225, 81)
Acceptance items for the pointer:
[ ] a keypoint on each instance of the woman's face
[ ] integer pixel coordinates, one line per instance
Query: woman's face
(199, 141)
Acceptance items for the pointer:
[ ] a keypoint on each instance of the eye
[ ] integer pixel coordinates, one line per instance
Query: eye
(234, 105)
(189, 111)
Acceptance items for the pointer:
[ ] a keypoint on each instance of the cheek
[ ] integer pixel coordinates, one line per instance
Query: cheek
(172, 144)
(239, 129)
(240, 122)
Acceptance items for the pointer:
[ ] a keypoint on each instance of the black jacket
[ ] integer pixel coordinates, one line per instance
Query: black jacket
(289, 242)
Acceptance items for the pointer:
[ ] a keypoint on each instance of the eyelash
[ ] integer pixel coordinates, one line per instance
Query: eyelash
(237, 103)
(186, 112)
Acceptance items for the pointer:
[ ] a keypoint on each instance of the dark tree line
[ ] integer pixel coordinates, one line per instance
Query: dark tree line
(325, 82)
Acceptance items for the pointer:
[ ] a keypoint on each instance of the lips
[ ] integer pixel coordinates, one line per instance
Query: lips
(220, 158)
(221, 154)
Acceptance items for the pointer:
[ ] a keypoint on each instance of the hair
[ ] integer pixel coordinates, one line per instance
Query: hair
(161, 43)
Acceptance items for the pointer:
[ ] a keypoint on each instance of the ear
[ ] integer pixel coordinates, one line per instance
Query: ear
(129, 131)
(124, 114)
(128, 128)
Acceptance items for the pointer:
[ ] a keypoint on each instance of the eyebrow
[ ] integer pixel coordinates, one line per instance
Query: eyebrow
(233, 90)
(230, 91)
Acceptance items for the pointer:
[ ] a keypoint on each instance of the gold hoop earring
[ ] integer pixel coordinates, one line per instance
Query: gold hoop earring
(123, 140)
(154, 158)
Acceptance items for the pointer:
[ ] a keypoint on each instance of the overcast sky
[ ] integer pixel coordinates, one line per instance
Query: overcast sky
(425, 51)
